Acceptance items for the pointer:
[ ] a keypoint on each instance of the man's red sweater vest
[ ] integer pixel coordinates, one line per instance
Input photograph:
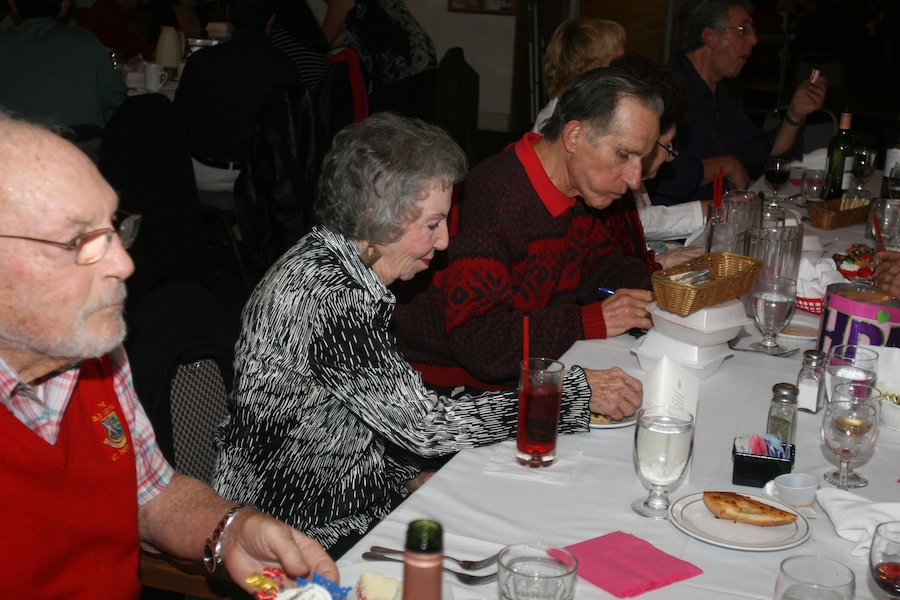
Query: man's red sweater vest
(68, 511)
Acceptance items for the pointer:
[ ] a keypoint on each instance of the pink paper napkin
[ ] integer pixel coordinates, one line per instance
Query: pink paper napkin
(627, 566)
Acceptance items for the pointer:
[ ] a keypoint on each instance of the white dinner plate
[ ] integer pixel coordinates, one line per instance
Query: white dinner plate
(802, 326)
(350, 574)
(691, 516)
(626, 422)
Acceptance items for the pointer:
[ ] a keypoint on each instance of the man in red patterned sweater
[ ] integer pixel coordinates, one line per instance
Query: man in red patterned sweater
(83, 480)
(525, 240)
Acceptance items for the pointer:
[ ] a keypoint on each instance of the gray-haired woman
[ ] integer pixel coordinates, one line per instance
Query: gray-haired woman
(329, 424)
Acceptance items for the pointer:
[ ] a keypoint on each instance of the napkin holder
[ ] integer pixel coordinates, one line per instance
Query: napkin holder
(756, 471)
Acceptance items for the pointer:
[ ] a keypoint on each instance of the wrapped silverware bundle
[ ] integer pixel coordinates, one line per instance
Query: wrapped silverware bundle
(698, 277)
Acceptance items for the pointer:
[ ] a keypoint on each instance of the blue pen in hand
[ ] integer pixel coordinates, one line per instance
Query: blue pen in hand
(607, 292)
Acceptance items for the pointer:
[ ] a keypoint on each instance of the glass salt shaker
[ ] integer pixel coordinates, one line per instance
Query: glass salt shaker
(783, 412)
(811, 381)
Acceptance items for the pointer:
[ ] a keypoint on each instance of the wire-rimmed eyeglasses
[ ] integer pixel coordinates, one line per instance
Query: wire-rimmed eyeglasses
(92, 246)
(744, 30)
(673, 153)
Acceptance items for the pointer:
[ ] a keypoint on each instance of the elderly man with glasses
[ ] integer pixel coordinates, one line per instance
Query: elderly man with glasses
(84, 483)
(716, 39)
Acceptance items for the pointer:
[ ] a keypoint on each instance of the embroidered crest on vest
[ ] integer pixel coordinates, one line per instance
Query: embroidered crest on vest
(115, 435)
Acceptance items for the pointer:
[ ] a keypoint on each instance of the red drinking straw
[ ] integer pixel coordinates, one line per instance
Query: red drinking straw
(877, 228)
(525, 337)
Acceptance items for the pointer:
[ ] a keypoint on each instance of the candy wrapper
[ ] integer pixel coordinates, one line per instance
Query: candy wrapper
(269, 583)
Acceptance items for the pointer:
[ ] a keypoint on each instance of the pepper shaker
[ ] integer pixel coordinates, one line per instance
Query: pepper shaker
(783, 412)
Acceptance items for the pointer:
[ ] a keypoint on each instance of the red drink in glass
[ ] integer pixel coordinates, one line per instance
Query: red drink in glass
(540, 396)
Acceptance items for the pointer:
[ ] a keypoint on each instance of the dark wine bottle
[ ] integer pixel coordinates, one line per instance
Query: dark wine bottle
(840, 158)
(423, 561)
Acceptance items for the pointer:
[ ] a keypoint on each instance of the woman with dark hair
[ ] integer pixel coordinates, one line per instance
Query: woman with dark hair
(330, 426)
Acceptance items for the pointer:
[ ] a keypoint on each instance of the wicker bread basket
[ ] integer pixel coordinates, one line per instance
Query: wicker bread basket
(844, 212)
(732, 275)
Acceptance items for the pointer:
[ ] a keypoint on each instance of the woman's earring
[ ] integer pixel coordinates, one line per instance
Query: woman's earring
(369, 256)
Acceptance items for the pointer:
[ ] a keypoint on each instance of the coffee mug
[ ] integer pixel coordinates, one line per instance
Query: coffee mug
(154, 77)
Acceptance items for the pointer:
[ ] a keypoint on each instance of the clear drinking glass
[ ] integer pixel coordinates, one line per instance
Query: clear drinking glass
(814, 578)
(894, 182)
(848, 363)
(857, 393)
(812, 186)
(773, 305)
(863, 169)
(884, 558)
(848, 430)
(663, 439)
(887, 211)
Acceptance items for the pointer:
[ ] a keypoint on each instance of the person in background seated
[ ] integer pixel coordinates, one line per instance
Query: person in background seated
(224, 87)
(525, 240)
(108, 20)
(625, 217)
(887, 273)
(396, 53)
(188, 16)
(716, 39)
(330, 427)
(576, 46)
(296, 32)
(75, 442)
(53, 73)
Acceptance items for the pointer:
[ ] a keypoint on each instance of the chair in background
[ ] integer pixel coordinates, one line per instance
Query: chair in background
(145, 158)
(221, 208)
(819, 128)
(457, 100)
(180, 346)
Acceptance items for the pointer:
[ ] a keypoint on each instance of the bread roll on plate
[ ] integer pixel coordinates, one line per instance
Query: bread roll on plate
(735, 507)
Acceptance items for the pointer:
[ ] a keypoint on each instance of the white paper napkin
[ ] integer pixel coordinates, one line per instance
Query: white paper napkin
(503, 462)
(813, 279)
(888, 368)
(814, 160)
(855, 518)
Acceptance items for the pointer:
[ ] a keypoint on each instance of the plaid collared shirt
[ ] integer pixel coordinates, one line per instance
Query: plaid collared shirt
(41, 409)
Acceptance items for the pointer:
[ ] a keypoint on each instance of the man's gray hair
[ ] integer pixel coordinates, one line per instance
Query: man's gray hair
(378, 170)
(697, 15)
(594, 98)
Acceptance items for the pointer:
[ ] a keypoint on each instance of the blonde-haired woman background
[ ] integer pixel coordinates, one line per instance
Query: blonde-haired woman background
(576, 46)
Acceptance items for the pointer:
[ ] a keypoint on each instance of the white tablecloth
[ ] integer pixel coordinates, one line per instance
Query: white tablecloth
(481, 513)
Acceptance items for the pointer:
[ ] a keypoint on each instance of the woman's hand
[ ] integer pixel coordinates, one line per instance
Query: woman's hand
(614, 393)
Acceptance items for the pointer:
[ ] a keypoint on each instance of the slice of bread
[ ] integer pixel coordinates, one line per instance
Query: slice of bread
(735, 507)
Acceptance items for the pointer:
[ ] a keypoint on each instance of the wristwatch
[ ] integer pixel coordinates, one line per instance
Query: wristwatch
(212, 551)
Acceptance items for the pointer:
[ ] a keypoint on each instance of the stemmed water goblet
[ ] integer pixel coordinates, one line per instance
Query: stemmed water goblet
(884, 558)
(773, 305)
(663, 440)
(863, 169)
(848, 429)
(848, 363)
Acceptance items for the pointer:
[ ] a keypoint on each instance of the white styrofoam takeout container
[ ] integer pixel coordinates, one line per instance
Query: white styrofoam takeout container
(709, 326)
(705, 360)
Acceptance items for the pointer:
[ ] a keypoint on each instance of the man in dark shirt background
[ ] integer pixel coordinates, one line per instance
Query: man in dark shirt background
(223, 88)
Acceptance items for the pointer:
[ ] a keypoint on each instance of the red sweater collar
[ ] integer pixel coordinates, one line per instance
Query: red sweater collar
(556, 202)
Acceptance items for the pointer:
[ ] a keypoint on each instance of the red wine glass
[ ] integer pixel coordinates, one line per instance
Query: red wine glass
(884, 558)
(778, 171)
